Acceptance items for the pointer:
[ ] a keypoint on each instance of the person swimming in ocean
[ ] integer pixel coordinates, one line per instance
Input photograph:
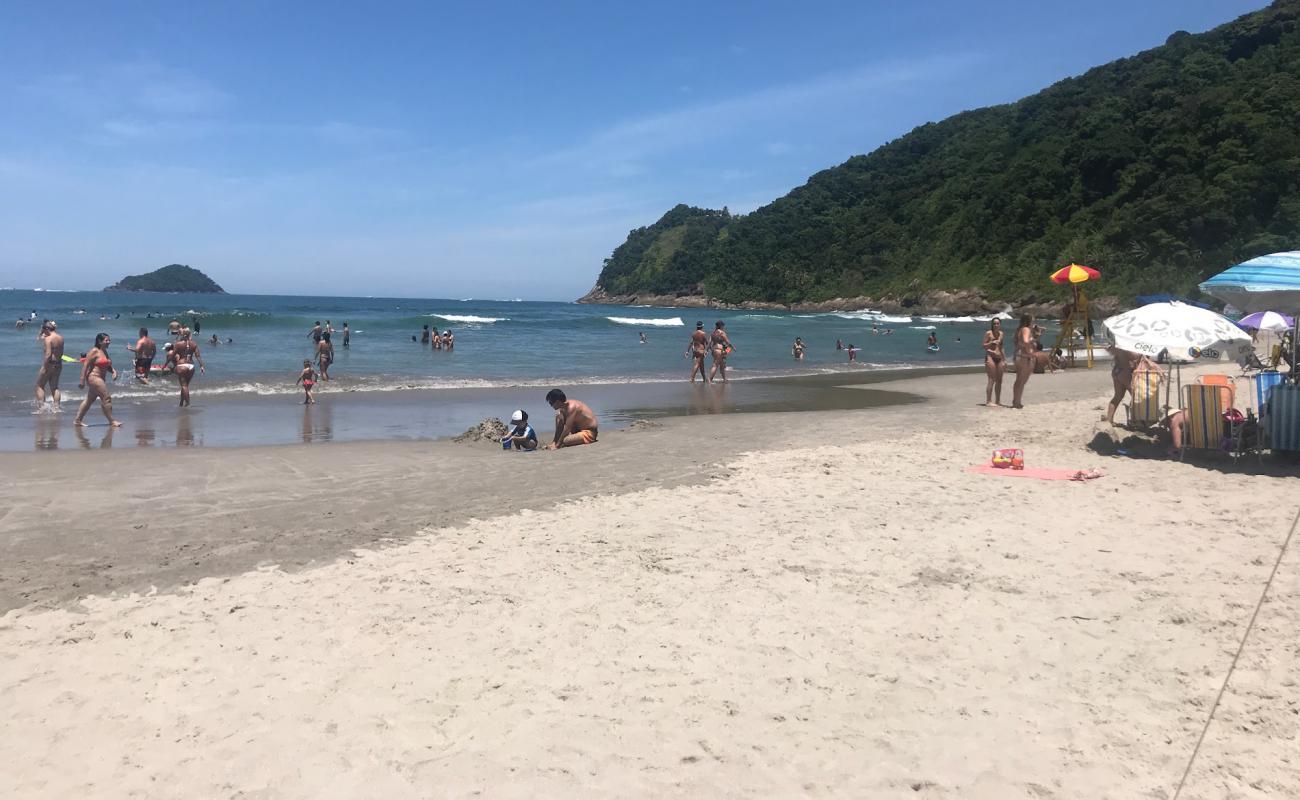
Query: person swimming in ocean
(642, 337)
(347, 335)
(797, 348)
(448, 341)
(424, 335)
(932, 341)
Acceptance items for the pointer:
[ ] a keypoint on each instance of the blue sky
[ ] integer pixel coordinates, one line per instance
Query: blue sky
(485, 150)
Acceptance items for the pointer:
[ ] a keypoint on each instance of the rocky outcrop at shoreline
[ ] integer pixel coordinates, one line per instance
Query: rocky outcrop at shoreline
(936, 302)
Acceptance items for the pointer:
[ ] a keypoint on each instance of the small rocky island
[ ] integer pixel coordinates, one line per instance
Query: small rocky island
(171, 278)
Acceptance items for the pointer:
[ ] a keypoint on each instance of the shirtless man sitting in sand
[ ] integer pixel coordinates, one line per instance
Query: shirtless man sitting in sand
(575, 422)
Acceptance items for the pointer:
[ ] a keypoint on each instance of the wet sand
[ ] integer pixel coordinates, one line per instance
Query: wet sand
(235, 420)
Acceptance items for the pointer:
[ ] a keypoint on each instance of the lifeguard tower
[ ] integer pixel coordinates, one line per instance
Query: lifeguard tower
(1076, 323)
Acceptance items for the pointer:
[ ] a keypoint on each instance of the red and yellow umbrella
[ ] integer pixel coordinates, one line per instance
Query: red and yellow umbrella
(1075, 273)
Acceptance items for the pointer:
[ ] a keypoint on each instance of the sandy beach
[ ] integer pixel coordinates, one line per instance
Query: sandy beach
(766, 604)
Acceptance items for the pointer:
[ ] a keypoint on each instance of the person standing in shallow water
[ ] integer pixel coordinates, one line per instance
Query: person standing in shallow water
(184, 355)
(722, 349)
(325, 355)
(51, 365)
(94, 375)
(697, 348)
(1024, 359)
(347, 335)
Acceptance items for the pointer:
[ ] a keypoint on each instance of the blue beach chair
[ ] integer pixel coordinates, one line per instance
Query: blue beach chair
(1282, 418)
(1264, 382)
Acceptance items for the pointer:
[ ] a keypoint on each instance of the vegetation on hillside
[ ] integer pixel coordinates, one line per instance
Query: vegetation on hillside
(171, 278)
(1159, 169)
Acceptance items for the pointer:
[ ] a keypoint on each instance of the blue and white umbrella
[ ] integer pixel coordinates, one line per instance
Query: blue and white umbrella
(1267, 283)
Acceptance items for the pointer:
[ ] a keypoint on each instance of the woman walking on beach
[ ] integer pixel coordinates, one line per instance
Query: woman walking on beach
(994, 363)
(325, 356)
(184, 355)
(94, 371)
(1024, 358)
(721, 349)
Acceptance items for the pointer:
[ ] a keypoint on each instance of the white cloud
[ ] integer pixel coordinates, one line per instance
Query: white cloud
(696, 124)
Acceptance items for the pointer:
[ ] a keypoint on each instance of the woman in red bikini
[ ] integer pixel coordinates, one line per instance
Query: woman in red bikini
(94, 372)
(308, 380)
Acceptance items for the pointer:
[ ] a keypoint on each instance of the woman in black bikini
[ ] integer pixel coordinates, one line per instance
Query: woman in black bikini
(94, 371)
(995, 365)
(1024, 358)
(325, 356)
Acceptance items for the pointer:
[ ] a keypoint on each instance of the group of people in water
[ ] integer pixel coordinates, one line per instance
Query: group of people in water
(182, 359)
(445, 341)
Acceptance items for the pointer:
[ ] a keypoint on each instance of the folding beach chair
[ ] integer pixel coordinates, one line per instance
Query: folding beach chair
(1228, 384)
(1282, 417)
(1264, 382)
(1145, 408)
(1204, 427)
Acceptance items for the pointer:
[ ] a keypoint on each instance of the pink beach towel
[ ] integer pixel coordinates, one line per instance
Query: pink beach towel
(1041, 473)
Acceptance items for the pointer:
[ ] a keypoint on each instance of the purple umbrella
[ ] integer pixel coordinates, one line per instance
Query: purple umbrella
(1266, 321)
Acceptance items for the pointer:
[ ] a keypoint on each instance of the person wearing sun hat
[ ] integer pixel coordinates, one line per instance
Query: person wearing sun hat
(520, 435)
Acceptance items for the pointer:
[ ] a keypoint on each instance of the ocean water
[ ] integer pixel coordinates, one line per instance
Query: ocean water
(499, 344)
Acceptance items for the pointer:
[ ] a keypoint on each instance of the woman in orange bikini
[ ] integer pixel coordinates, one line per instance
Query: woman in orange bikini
(183, 357)
(994, 363)
(1024, 358)
(94, 372)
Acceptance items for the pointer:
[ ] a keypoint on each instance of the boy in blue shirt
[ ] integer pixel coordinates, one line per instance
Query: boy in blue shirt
(520, 434)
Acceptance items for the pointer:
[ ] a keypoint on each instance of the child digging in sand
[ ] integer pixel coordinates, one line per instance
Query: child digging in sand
(308, 380)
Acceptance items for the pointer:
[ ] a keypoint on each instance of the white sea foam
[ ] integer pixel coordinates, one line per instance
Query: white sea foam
(872, 316)
(469, 318)
(668, 322)
(922, 327)
(948, 319)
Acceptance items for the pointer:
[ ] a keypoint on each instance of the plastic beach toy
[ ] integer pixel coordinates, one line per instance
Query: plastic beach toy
(1009, 458)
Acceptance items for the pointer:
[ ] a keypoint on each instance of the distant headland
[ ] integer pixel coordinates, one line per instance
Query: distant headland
(171, 278)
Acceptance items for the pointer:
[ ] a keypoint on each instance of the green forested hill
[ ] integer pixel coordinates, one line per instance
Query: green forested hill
(1159, 169)
(171, 278)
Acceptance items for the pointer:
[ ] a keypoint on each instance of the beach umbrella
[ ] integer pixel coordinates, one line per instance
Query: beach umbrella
(1181, 332)
(1270, 282)
(1075, 273)
(1270, 321)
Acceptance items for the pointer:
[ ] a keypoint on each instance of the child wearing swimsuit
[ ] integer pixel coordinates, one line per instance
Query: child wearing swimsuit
(308, 380)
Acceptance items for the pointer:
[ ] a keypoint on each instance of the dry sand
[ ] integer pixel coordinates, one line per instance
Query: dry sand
(755, 605)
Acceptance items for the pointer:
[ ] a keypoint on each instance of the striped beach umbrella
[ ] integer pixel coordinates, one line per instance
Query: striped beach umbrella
(1267, 283)
(1075, 273)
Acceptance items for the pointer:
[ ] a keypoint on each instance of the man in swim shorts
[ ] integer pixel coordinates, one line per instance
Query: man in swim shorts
(575, 422)
(47, 376)
(145, 349)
